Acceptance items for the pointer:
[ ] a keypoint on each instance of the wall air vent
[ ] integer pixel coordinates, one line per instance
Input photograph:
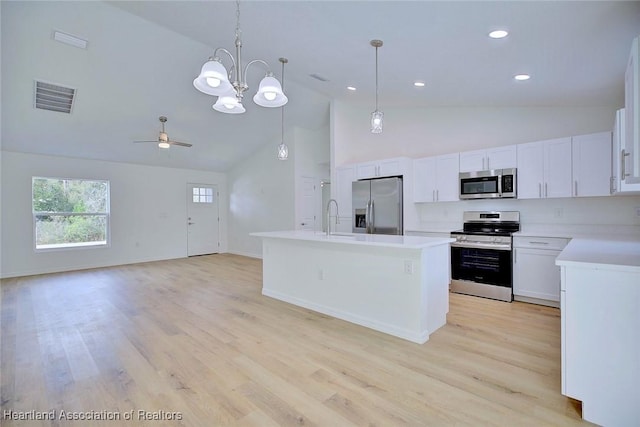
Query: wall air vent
(53, 97)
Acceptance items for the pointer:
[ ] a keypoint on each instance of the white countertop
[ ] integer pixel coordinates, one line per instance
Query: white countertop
(408, 242)
(622, 255)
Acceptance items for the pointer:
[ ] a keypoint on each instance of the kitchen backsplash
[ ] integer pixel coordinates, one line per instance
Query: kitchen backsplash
(616, 212)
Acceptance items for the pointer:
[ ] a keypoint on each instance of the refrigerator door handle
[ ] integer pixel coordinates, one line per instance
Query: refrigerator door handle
(367, 217)
(372, 219)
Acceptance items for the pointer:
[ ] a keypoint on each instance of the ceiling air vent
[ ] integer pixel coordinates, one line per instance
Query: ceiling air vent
(52, 97)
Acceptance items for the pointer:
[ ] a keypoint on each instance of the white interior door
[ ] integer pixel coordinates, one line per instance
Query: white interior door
(202, 219)
(307, 207)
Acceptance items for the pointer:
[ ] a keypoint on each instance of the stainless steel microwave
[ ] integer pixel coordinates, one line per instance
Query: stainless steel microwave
(491, 184)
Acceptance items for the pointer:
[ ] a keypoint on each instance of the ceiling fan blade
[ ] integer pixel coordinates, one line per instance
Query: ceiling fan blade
(135, 142)
(182, 144)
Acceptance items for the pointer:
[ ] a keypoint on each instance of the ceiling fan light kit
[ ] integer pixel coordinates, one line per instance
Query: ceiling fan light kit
(163, 138)
(215, 80)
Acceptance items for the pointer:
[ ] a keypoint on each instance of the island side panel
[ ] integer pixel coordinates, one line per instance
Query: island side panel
(435, 269)
(366, 285)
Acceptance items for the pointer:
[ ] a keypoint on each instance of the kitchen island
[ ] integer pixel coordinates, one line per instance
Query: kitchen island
(398, 285)
(600, 339)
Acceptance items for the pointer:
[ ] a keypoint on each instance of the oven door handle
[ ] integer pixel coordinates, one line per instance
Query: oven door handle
(480, 245)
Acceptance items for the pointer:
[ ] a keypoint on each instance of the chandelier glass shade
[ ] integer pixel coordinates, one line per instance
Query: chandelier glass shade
(215, 80)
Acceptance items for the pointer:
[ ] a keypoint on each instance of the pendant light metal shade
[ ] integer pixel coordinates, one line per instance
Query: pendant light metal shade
(377, 117)
(283, 152)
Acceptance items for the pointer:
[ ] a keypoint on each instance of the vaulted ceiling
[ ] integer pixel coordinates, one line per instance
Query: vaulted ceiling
(142, 57)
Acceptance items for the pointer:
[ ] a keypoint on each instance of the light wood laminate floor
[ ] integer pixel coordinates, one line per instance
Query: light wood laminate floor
(196, 337)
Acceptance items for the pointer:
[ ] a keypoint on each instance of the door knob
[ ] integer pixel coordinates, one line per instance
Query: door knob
(191, 223)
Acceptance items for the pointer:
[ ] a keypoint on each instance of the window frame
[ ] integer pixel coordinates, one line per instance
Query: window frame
(73, 246)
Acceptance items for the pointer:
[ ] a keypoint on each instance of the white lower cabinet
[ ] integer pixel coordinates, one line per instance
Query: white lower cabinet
(536, 278)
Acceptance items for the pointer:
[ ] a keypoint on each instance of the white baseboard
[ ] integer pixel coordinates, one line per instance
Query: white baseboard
(247, 254)
(418, 338)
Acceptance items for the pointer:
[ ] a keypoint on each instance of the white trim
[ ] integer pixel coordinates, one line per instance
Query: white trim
(247, 254)
(418, 338)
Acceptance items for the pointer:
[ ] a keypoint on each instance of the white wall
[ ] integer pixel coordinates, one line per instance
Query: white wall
(261, 197)
(422, 132)
(148, 212)
(263, 190)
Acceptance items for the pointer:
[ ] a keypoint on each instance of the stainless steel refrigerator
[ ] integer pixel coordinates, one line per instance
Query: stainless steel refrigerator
(377, 206)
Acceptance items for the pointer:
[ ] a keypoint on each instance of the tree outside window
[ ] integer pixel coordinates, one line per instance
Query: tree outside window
(70, 212)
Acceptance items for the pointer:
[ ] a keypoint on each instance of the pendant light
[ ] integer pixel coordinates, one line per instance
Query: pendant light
(377, 116)
(214, 79)
(283, 150)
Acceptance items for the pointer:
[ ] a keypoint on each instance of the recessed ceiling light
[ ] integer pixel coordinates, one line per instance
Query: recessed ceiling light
(351, 88)
(418, 84)
(498, 34)
(522, 77)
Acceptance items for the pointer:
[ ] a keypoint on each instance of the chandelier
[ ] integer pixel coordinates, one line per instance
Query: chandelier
(229, 86)
(376, 116)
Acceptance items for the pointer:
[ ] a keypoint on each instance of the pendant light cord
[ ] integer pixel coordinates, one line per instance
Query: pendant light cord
(282, 108)
(376, 78)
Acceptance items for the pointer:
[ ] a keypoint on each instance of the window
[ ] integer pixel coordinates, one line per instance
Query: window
(202, 195)
(70, 213)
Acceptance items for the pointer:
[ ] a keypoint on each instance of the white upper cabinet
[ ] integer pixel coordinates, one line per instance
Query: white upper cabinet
(591, 164)
(632, 111)
(382, 168)
(436, 179)
(620, 159)
(544, 169)
(493, 158)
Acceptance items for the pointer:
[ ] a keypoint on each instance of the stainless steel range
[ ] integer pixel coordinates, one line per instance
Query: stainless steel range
(481, 260)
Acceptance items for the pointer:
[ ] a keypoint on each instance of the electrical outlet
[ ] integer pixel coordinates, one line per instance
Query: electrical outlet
(557, 213)
(408, 267)
(637, 208)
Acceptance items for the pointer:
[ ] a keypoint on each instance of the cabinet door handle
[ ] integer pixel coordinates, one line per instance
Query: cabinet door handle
(623, 165)
(532, 242)
(540, 190)
(433, 195)
(488, 165)
(546, 193)
(515, 256)
(437, 195)
(575, 184)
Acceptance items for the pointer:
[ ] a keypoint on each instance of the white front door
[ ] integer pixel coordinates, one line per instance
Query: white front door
(202, 219)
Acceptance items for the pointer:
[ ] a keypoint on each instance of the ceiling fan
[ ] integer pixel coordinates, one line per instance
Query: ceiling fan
(163, 139)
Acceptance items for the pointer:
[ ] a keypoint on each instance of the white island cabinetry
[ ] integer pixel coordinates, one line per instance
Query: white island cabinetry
(398, 285)
(600, 337)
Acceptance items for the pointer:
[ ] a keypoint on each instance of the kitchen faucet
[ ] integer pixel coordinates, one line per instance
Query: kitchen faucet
(329, 215)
